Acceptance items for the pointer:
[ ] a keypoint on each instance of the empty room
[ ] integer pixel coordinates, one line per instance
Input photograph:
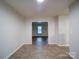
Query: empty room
(39, 29)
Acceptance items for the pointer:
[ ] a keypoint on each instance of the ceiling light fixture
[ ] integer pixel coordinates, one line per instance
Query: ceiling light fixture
(40, 1)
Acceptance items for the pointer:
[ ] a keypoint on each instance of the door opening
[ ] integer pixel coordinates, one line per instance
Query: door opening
(39, 33)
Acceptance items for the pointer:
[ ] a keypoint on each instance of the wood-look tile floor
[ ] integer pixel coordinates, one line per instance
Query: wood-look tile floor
(41, 52)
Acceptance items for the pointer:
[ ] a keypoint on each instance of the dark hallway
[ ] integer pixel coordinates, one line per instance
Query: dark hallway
(40, 33)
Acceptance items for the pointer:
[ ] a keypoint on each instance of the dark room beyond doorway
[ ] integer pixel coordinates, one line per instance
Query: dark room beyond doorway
(40, 33)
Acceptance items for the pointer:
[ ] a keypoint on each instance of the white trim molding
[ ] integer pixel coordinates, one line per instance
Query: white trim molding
(14, 51)
(73, 55)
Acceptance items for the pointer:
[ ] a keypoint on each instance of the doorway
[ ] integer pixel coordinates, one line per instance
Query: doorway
(40, 33)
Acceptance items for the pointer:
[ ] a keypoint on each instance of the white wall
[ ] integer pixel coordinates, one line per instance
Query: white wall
(64, 29)
(52, 29)
(73, 25)
(11, 31)
(74, 29)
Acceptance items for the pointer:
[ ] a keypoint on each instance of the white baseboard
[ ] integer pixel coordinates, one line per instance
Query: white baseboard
(60, 44)
(64, 45)
(53, 43)
(27, 43)
(14, 51)
(73, 55)
(24, 44)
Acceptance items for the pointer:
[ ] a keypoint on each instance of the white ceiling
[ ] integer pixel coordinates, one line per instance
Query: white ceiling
(30, 8)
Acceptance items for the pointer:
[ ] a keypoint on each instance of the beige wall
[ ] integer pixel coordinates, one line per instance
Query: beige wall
(11, 31)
